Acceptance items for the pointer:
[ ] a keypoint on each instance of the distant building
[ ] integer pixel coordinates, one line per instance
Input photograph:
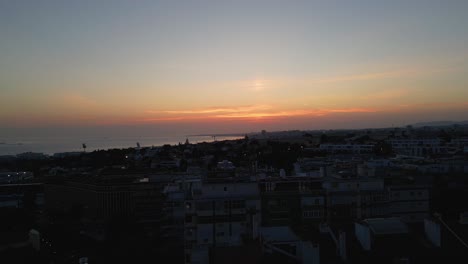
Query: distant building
(376, 233)
(165, 163)
(350, 198)
(282, 244)
(225, 165)
(220, 215)
(17, 195)
(102, 201)
(174, 205)
(409, 202)
(419, 147)
(14, 177)
(32, 156)
(292, 201)
(67, 154)
(444, 237)
(347, 148)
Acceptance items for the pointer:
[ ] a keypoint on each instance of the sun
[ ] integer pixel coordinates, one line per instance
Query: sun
(258, 85)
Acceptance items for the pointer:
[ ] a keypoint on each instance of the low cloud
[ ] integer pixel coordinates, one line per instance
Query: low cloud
(213, 110)
(246, 113)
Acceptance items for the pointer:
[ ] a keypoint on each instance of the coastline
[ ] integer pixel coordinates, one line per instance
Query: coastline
(51, 146)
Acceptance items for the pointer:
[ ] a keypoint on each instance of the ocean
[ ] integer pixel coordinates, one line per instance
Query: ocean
(13, 145)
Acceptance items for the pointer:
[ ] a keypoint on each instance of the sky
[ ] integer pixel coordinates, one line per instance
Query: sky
(230, 66)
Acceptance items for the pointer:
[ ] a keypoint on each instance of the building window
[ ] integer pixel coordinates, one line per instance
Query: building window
(238, 204)
(190, 232)
(312, 214)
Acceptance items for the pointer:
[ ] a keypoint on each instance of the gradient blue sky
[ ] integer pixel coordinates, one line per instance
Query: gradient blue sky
(220, 66)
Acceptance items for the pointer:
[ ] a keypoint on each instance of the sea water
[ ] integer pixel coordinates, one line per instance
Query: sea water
(47, 145)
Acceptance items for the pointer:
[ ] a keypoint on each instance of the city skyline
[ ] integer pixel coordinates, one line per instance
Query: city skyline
(220, 66)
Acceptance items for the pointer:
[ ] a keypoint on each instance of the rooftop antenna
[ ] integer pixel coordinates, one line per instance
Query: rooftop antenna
(84, 147)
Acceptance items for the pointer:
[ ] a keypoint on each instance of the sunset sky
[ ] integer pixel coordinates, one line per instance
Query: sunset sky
(231, 66)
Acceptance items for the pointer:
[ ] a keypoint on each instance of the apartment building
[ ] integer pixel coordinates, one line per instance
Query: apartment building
(222, 214)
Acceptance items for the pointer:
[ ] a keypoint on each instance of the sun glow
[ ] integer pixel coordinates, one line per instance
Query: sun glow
(247, 113)
(259, 85)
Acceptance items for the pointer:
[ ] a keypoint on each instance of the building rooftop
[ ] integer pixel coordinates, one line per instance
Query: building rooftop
(386, 226)
(278, 234)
